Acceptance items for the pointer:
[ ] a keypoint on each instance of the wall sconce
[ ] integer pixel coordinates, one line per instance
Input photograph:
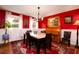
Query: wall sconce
(42, 18)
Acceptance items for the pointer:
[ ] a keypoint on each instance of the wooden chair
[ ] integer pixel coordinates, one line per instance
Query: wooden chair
(66, 38)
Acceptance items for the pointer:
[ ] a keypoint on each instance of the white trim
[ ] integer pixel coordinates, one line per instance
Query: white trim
(73, 35)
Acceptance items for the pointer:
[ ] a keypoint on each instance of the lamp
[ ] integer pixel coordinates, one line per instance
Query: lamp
(77, 24)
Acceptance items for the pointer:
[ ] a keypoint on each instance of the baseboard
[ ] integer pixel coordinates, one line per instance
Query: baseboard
(11, 42)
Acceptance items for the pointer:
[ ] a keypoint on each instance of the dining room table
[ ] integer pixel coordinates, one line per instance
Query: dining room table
(41, 40)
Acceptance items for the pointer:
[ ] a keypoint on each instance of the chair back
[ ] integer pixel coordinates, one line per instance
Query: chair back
(48, 40)
(67, 34)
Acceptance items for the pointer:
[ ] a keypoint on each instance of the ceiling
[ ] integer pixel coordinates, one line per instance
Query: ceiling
(45, 10)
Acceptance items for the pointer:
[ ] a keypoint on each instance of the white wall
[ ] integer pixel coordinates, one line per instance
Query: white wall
(73, 35)
(2, 31)
(15, 34)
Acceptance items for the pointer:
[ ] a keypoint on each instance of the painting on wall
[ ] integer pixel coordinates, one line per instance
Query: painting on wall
(25, 23)
(68, 20)
(54, 22)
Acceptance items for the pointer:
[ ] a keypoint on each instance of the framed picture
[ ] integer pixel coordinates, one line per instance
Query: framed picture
(54, 22)
(25, 22)
(68, 20)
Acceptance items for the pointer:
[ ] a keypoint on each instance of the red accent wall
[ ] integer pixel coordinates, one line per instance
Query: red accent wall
(42, 23)
(2, 18)
(73, 13)
(26, 21)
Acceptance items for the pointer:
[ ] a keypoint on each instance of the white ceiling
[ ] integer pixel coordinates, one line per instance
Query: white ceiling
(45, 10)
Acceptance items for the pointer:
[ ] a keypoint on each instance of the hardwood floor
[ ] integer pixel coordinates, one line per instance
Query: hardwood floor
(10, 48)
(5, 49)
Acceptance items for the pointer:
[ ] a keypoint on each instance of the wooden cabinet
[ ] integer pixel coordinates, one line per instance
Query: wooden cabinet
(55, 34)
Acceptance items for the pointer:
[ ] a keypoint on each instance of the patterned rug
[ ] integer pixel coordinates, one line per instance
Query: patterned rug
(56, 49)
(20, 48)
(16, 48)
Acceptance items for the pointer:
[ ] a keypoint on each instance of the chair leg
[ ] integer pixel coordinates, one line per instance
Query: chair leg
(38, 50)
(68, 43)
(29, 45)
(45, 50)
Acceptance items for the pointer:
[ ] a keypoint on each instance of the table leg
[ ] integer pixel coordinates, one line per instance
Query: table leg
(38, 50)
(38, 47)
(45, 50)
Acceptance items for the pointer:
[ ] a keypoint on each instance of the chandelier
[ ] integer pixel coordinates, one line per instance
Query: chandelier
(38, 13)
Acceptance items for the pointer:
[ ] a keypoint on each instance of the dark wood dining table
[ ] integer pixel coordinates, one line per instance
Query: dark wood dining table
(40, 41)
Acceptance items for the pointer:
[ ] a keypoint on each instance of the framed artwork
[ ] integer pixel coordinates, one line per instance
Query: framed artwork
(54, 22)
(68, 20)
(25, 23)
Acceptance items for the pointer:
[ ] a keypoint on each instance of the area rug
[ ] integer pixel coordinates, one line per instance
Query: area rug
(21, 48)
(55, 50)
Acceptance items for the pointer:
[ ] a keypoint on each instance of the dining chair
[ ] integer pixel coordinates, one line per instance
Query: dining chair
(48, 40)
(66, 38)
(24, 39)
(31, 40)
(45, 43)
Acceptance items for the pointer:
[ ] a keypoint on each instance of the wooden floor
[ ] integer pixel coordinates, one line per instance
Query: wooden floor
(11, 48)
(5, 49)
